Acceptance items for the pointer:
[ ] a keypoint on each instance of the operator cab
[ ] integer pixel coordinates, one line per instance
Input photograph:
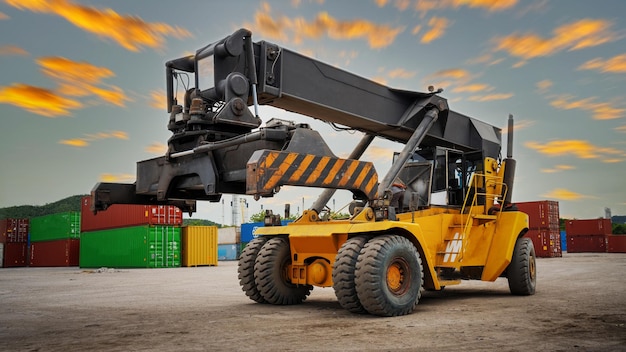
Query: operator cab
(438, 176)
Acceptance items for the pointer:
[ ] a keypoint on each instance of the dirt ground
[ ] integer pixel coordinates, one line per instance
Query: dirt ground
(580, 305)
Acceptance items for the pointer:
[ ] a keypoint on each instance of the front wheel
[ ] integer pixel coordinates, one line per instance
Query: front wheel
(270, 274)
(389, 276)
(246, 269)
(522, 272)
(343, 274)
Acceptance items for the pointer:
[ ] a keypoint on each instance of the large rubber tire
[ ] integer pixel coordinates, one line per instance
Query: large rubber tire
(270, 274)
(246, 269)
(522, 272)
(343, 274)
(389, 276)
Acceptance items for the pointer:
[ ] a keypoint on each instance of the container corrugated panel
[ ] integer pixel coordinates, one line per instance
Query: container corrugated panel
(1, 254)
(585, 227)
(586, 244)
(199, 245)
(547, 242)
(616, 244)
(228, 235)
(131, 247)
(14, 254)
(563, 241)
(58, 226)
(14, 230)
(127, 215)
(227, 251)
(55, 253)
(541, 214)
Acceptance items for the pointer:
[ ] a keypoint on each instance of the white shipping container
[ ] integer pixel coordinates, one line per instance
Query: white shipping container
(228, 235)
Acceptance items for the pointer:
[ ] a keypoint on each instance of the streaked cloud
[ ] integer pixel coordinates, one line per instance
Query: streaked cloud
(425, 6)
(268, 23)
(544, 85)
(616, 64)
(581, 149)
(519, 125)
(38, 100)
(491, 97)
(454, 73)
(12, 50)
(558, 168)
(158, 99)
(473, 88)
(438, 26)
(156, 148)
(130, 32)
(3, 16)
(564, 194)
(88, 138)
(401, 73)
(122, 178)
(621, 129)
(577, 35)
(377, 153)
(599, 110)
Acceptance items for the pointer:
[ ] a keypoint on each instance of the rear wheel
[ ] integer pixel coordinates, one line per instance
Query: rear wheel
(522, 272)
(389, 276)
(246, 269)
(343, 274)
(270, 274)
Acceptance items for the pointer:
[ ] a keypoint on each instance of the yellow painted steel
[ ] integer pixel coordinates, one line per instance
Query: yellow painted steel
(199, 245)
(470, 242)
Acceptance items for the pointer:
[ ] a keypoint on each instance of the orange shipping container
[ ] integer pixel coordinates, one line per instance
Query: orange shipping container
(199, 245)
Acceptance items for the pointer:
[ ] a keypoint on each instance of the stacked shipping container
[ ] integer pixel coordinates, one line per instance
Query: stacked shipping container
(54, 239)
(588, 235)
(13, 242)
(130, 236)
(543, 227)
(228, 243)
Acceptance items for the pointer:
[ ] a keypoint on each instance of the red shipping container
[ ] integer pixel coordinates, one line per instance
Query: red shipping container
(547, 242)
(541, 214)
(14, 230)
(586, 244)
(55, 253)
(14, 254)
(127, 215)
(599, 227)
(616, 244)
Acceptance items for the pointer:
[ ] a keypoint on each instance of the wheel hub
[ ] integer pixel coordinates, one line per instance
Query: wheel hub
(398, 276)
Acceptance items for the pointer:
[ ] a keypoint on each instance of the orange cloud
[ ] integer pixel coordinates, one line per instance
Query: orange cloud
(156, 148)
(37, 100)
(616, 64)
(3, 16)
(578, 148)
(558, 168)
(599, 110)
(490, 97)
(117, 178)
(454, 73)
(621, 129)
(425, 6)
(85, 141)
(267, 23)
(80, 79)
(377, 153)
(131, 32)
(381, 3)
(7, 50)
(473, 88)
(401, 73)
(438, 27)
(564, 194)
(544, 85)
(573, 36)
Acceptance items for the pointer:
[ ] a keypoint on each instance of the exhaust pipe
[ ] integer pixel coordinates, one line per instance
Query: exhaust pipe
(509, 165)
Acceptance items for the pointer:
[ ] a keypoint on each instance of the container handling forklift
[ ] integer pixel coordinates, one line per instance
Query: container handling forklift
(454, 222)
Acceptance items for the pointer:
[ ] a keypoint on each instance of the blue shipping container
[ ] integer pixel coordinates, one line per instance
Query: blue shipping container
(563, 241)
(227, 251)
(248, 229)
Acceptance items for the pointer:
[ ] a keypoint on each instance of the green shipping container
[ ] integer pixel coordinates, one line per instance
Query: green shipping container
(131, 247)
(58, 226)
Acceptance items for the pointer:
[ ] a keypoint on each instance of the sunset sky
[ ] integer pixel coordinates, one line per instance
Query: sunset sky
(83, 82)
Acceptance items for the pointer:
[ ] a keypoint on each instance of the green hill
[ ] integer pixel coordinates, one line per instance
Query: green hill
(71, 203)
